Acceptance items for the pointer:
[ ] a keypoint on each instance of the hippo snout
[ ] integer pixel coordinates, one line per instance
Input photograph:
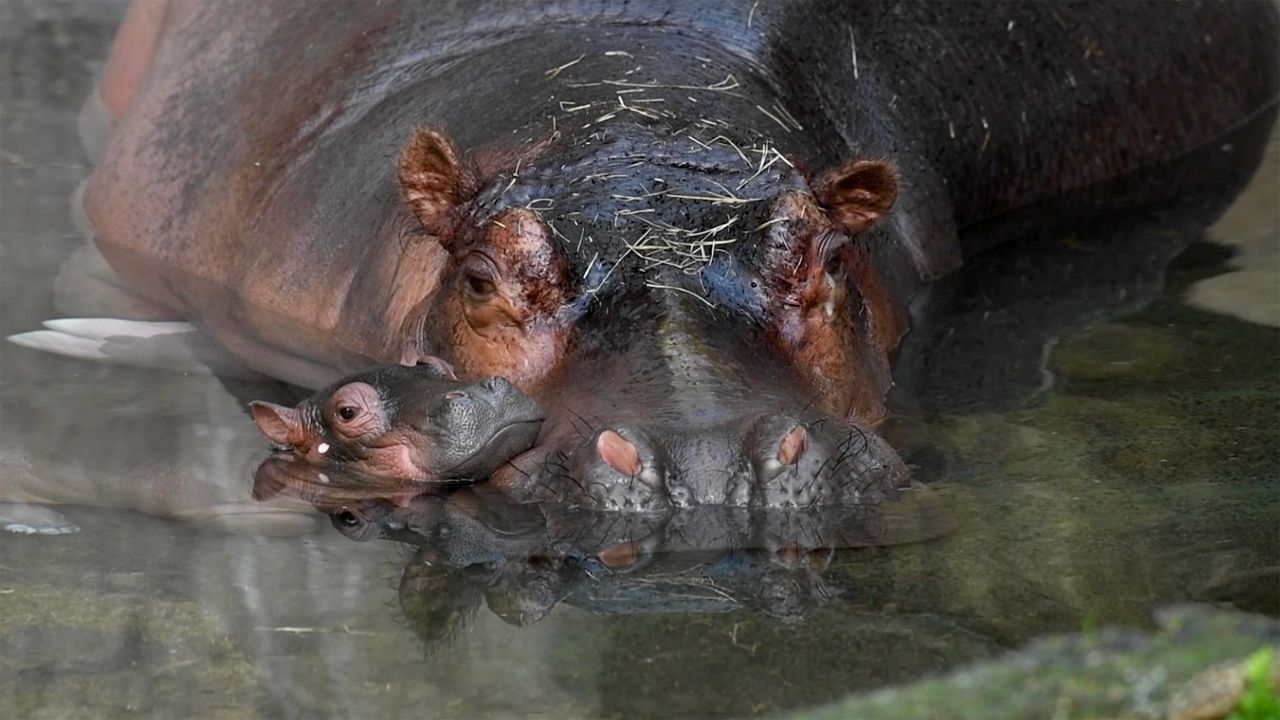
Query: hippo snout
(618, 469)
(778, 461)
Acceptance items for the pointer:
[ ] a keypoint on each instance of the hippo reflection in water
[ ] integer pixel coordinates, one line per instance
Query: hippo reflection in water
(696, 233)
(523, 559)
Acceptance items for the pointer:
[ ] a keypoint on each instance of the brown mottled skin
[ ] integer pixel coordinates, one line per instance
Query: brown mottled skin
(697, 233)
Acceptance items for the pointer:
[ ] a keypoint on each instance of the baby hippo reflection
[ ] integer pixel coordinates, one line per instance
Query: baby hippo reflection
(413, 423)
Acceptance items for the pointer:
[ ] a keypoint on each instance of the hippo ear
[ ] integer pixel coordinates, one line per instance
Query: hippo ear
(857, 194)
(280, 424)
(433, 179)
(441, 367)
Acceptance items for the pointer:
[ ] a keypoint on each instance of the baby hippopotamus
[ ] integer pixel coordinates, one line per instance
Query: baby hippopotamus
(417, 423)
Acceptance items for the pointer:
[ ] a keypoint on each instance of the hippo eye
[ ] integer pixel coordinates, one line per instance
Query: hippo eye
(348, 519)
(348, 412)
(479, 278)
(480, 288)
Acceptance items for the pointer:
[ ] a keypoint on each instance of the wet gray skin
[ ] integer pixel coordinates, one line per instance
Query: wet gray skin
(415, 423)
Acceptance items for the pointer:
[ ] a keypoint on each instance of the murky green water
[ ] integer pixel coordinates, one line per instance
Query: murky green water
(1145, 473)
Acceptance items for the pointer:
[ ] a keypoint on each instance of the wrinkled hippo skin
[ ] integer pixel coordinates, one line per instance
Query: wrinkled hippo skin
(696, 233)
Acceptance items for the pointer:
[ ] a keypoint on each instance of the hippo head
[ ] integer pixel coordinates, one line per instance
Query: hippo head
(704, 321)
(416, 423)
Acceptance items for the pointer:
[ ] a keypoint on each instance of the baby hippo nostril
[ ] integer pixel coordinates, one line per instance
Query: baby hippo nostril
(618, 453)
(455, 395)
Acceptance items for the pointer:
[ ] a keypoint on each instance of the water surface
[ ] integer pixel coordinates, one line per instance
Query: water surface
(1140, 471)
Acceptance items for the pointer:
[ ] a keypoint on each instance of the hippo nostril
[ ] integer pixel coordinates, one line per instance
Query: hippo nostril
(793, 445)
(454, 395)
(618, 453)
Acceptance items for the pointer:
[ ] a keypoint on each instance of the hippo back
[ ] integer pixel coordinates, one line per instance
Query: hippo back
(251, 185)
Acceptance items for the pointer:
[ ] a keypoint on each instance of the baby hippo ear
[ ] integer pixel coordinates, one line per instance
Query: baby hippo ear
(433, 179)
(280, 424)
(857, 194)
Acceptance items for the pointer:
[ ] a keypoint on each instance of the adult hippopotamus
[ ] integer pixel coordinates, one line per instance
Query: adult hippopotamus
(696, 232)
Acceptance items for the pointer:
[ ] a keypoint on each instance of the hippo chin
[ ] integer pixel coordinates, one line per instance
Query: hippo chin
(696, 233)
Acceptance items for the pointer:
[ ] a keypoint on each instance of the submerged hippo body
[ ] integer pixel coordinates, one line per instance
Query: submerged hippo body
(696, 232)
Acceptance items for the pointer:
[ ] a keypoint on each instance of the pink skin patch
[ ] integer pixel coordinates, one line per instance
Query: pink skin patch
(619, 556)
(618, 453)
(413, 357)
(793, 446)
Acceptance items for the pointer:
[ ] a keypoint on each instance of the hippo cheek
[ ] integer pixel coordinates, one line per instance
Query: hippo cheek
(502, 311)
(835, 336)
(399, 460)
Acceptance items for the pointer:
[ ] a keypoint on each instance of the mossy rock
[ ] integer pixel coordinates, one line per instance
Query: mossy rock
(1112, 673)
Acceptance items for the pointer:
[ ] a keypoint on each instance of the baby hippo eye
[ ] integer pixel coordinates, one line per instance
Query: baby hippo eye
(356, 410)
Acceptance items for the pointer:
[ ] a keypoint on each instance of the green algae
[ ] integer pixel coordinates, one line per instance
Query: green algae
(1259, 701)
(71, 653)
(1112, 673)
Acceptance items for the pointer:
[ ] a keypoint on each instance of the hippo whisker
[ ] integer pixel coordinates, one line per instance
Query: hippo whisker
(558, 462)
(591, 428)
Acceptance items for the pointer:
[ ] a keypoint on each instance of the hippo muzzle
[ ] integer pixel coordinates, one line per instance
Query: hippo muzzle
(717, 418)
